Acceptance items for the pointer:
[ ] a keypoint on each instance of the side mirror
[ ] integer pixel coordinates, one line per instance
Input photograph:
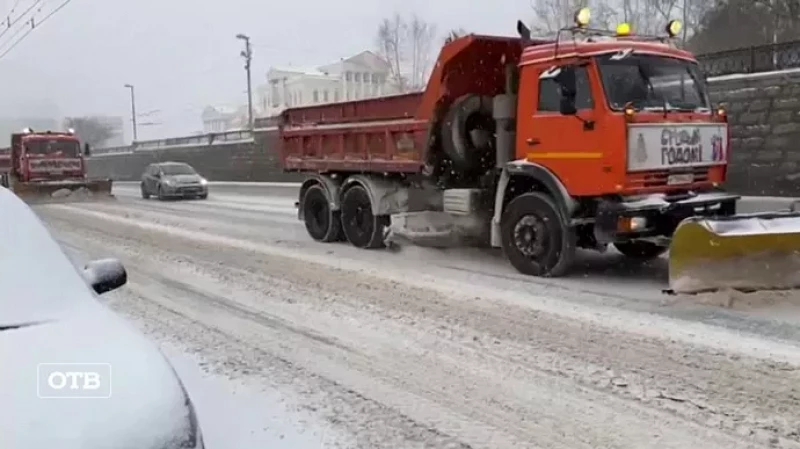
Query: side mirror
(87, 150)
(105, 275)
(569, 90)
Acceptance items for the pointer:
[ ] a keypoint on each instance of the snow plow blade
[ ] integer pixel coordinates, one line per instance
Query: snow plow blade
(63, 192)
(742, 252)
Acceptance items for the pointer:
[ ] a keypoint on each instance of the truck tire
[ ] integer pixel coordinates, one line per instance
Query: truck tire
(640, 250)
(536, 240)
(467, 118)
(361, 227)
(322, 224)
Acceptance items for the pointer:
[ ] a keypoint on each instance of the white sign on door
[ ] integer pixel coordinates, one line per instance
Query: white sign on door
(667, 145)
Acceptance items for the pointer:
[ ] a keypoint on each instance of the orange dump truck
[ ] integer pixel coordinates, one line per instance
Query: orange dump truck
(540, 147)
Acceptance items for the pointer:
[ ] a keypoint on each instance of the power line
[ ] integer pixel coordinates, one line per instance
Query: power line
(24, 13)
(39, 24)
(13, 8)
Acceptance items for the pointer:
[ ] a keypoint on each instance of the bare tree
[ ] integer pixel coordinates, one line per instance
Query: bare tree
(90, 130)
(420, 37)
(644, 16)
(553, 15)
(390, 40)
(407, 46)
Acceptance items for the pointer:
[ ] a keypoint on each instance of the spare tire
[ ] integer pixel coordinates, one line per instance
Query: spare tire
(467, 133)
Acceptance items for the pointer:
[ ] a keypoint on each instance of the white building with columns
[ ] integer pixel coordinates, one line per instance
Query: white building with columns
(364, 75)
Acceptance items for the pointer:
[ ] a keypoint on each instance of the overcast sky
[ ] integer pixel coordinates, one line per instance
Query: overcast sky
(182, 54)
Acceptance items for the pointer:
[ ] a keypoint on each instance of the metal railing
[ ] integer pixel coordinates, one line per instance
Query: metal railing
(757, 59)
(228, 137)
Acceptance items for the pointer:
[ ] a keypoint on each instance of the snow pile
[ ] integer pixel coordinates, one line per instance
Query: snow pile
(79, 193)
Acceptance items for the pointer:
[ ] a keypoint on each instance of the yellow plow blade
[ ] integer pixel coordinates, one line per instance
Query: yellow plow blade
(63, 191)
(742, 252)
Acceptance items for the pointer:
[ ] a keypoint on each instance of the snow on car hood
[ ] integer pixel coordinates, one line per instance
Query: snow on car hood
(66, 324)
(38, 281)
(141, 405)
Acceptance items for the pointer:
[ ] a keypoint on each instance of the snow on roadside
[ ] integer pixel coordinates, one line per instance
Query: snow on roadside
(241, 413)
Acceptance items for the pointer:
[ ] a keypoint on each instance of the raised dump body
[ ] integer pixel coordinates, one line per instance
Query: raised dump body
(392, 134)
(539, 148)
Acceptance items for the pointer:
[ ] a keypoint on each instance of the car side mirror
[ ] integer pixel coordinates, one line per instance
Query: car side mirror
(105, 275)
(87, 150)
(568, 86)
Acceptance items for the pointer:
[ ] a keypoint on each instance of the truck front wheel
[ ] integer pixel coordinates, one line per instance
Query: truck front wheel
(536, 240)
(322, 224)
(361, 227)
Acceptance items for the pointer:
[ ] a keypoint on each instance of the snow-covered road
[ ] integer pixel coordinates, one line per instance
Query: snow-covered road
(426, 348)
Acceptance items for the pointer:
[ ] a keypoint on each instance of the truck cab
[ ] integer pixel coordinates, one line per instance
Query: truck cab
(46, 156)
(619, 117)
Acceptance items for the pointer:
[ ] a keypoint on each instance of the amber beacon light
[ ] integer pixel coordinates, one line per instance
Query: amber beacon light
(674, 28)
(582, 17)
(623, 29)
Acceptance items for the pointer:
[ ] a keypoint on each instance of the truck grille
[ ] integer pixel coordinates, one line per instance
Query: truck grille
(657, 179)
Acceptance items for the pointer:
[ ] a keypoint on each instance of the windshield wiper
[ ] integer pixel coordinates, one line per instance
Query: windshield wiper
(651, 88)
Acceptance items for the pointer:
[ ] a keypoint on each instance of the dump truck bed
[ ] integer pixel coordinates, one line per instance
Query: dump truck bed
(390, 134)
(379, 134)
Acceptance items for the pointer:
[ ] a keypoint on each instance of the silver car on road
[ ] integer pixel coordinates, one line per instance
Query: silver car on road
(166, 180)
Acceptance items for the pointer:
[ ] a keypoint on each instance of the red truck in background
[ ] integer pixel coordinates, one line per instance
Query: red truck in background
(38, 164)
(538, 147)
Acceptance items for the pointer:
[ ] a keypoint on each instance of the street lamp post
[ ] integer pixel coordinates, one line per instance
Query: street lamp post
(247, 54)
(133, 111)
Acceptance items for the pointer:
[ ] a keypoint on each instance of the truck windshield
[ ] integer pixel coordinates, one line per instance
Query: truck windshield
(53, 148)
(652, 82)
(177, 170)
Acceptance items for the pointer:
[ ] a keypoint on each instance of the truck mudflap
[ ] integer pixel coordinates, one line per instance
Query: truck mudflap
(745, 252)
(63, 191)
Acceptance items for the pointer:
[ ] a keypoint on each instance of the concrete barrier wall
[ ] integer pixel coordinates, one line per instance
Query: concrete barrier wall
(222, 162)
(764, 113)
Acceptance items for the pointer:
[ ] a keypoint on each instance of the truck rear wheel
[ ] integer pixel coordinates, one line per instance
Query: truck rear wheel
(640, 250)
(361, 227)
(322, 224)
(536, 240)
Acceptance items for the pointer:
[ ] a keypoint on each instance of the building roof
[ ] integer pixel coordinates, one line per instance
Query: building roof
(367, 59)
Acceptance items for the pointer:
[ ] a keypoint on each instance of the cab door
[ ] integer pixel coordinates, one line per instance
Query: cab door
(567, 144)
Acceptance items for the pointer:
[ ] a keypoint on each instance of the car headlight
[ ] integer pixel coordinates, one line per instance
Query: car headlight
(168, 182)
(203, 181)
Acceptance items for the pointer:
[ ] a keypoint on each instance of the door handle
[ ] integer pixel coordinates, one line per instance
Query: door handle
(533, 141)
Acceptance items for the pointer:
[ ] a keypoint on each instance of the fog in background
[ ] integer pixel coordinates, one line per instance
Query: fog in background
(182, 55)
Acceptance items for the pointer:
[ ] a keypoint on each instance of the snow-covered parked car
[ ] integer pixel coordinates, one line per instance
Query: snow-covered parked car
(73, 374)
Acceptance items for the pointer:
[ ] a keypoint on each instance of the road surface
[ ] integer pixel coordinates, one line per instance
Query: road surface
(447, 349)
